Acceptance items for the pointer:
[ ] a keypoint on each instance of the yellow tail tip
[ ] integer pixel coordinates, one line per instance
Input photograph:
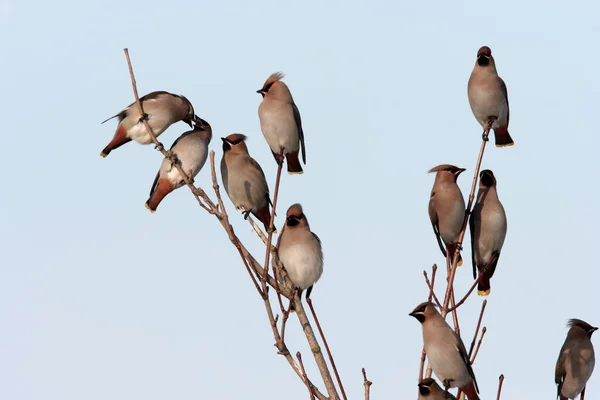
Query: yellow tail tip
(484, 292)
(103, 154)
(459, 263)
(148, 207)
(295, 173)
(505, 145)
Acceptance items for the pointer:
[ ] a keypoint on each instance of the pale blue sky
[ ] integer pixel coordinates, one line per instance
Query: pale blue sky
(99, 299)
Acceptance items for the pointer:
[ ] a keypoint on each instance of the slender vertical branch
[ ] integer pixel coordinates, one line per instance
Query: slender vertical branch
(335, 371)
(305, 378)
(500, 382)
(315, 348)
(483, 331)
(270, 232)
(483, 305)
(367, 384)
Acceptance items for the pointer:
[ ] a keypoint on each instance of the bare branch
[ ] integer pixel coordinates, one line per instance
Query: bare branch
(305, 378)
(315, 349)
(430, 286)
(461, 302)
(367, 383)
(500, 382)
(483, 305)
(335, 371)
(483, 331)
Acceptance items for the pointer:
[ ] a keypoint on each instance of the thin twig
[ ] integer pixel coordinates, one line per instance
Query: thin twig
(483, 331)
(500, 382)
(335, 371)
(367, 383)
(305, 378)
(430, 286)
(315, 349)
(452, 299)
(270, 232)
(431, 292)
(461, 302)
(483, 305)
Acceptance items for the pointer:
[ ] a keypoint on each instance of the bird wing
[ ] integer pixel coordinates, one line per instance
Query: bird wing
(505, 92)
(460, 347)
(256, 165)
(560, 371)
(155, 183)
(300, 131)
(434, 223)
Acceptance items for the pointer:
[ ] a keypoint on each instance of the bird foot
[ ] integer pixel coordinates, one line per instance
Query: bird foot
(145, 117)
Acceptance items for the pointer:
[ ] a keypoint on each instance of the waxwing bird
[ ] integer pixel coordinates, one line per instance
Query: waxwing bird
(244, 179)
(488, 230)
(280, 122)
(162, 109)
(445, 350)
(430, 390)
(447, 208)
(488, 97)
(191, 148)
(299, 250)
(576, 360)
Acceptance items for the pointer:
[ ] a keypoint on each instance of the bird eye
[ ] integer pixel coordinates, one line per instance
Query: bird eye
(269, 87)
(422, 309)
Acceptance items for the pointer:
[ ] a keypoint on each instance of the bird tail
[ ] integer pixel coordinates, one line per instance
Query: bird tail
(483, 287)
(470, 391)
(163, 188)
(117, 141)
(503, 138)
(264, 215)
(293, 163)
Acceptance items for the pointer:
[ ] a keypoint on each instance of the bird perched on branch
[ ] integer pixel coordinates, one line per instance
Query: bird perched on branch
(191, 149)
(244, 179)
(488, 231)
(280, 122)
(488, 97)
(299, 251)
(447, 208)
(161, 109)
(445, 350)
(430, 390)
(576, 360)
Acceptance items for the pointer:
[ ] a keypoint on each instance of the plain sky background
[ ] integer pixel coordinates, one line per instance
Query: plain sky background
(99, 299)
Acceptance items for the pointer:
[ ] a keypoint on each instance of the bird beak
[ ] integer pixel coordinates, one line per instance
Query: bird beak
(260, 91)
(223, 139)
(594, 329)
(412, 314)
(199, 122)
(460, 171)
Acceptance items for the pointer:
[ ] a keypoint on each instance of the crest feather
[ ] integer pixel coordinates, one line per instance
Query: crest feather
(275, 77)
(444, 167)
